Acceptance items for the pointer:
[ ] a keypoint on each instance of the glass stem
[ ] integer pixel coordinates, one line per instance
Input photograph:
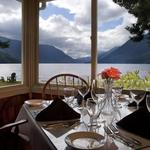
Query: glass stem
(137, 106)
(91, 121)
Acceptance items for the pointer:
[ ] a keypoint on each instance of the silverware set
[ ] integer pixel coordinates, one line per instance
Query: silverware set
(113, 132)
(64, 124)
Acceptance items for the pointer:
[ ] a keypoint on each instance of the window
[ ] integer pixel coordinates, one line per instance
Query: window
(66, 26)
(64, 33)
(10, 42)
(116, 49)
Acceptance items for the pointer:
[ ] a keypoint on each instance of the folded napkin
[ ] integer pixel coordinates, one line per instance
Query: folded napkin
(138, 123)
(57, 111)
(142, 103)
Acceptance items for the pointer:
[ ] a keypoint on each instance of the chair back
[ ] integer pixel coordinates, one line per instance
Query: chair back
(53, 88)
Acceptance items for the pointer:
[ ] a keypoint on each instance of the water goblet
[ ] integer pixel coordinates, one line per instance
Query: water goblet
(148, 102)
(83, 92)
(116, 92)
(95, 93)
(93, 111)
(98, 98)
(137, 96)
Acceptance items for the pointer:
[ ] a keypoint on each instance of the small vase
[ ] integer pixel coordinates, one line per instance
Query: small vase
(108, 108)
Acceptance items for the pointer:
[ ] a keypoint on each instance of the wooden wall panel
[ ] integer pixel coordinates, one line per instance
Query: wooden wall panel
(9, 108)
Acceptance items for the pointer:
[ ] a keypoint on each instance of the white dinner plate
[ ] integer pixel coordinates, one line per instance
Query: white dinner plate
(34, 102)
(84, 140)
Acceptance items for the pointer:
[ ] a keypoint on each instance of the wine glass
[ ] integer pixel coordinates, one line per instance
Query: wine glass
(69, 95)
(148, 102)
(93, 111)
(95, 93)
(97, 98)
(137, 96)
(83, 92)
(117, 91)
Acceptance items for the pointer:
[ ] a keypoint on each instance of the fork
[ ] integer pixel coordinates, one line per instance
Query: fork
(118, 138)
(131, 139)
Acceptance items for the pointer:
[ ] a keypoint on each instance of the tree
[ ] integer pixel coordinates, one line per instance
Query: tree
(4, 44)
(141, 10)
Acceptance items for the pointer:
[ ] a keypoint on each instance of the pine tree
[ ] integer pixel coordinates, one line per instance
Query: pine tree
(4, 44)
(141, 10)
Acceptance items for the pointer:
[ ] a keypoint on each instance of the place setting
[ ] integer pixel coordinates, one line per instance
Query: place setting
(90, 125)
(88, 137)
(58, 118)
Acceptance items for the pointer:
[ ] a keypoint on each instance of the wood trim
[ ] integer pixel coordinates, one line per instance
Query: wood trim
(30, 42)
(13, 90)
(9, 108)
(93, 39)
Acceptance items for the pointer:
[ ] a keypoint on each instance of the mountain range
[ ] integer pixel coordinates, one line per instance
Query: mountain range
(130, 52)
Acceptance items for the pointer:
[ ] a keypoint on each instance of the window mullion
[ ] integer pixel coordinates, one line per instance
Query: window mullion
(93, 39)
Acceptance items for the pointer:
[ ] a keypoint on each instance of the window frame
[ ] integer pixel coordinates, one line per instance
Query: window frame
(93, 39)
(30, 48)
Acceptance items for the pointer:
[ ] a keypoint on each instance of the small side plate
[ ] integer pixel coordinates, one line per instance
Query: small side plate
(84, 140)
(34, 102)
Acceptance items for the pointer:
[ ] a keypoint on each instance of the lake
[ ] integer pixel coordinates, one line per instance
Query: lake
(48, 70)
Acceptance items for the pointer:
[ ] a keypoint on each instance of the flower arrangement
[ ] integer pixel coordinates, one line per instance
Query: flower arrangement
(110, 74)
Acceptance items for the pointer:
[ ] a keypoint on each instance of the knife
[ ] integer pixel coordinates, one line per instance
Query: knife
(118, 138)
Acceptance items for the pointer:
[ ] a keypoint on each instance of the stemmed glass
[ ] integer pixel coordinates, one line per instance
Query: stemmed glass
(94, 92)
(83, 92)
(137, 96)
(93, 110)
(98, 98)
(148, 102)
(117, 91)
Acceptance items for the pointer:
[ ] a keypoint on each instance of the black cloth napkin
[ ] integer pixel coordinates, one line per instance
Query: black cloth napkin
(138, 123)
(142, 103)
(57, 111)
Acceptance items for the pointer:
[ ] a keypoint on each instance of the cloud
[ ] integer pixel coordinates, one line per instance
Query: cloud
(74, 36)
(10, 19)
(9, 6)
(117, 36)
(63, 34)
(71, 36)
(108, 10)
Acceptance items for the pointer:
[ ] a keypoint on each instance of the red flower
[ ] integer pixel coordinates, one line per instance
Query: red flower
(110, 73)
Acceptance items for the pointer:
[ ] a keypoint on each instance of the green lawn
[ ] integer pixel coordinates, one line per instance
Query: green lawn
(5, 83)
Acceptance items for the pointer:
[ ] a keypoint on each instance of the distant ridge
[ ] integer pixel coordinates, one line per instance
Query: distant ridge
(48, 54)
(130, 52)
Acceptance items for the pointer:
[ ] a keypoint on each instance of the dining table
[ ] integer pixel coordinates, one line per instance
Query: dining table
(48, 135)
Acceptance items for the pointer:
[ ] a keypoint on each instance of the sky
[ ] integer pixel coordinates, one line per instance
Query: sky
(66, 24)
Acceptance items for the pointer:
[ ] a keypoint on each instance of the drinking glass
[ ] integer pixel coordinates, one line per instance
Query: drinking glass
(99, 99)
(95, 93)
(69, 95)
(137, 96)
(93, 111)
(83, 92)
(117, 91)
(148, 102)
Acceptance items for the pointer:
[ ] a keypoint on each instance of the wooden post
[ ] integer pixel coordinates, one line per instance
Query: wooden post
(93, 39)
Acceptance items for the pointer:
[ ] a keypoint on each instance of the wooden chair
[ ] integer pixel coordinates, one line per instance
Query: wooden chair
(53, 88)
(11, 139)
